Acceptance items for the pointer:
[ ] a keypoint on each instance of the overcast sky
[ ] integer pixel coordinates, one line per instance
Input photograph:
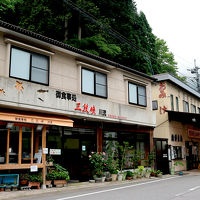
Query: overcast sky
(178, 23)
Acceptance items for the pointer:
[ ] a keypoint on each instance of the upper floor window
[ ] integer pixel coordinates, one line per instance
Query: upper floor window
(193, 108)
(137, 94)
(172, 102)
(29, 66)
(198, 109)
(185, 106)
(177, 104)
(155, 105)
(94, 83)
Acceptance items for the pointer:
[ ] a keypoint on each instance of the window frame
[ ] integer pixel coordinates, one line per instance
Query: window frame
(172, 102)
(30, 65)
(94, 72)
(185, 103)
(193, 107)
(137, 94)
(154, 105)
(177, 104)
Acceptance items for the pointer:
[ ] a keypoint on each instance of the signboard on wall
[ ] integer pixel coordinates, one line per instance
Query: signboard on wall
(55, 151)
(193, 133)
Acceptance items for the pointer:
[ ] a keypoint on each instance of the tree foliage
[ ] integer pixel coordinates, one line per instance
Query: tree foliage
(111, 29)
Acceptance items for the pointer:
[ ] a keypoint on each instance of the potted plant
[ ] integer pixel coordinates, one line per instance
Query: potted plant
(124, 176)
(114, 173)
(98, 161)
(24, 179)
(49, 178)
(158, 173)
(147, 173)
(177, 163)
(129, 175)
(153, 173)
(35, 180)
(49, 160)
(59, 175)
(140, 171)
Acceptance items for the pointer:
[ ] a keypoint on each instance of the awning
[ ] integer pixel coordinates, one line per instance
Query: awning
(36, 119)
(184, 117)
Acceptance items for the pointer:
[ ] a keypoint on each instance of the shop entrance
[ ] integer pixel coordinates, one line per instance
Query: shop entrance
(76, 144)
(162, 162)
(192, 158)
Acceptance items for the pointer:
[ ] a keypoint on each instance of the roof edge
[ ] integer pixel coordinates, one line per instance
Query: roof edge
(73, 49)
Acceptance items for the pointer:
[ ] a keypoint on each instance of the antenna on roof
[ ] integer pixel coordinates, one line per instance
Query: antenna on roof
(196, 73)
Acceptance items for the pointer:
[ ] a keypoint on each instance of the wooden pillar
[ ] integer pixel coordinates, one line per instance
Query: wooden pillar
(32, 142)
(37, 143)
(20, 146)
(8, 143)
(44, 157)
(151, 140)
(99, 139)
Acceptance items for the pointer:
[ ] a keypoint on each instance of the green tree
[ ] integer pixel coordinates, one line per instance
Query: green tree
(165, 58)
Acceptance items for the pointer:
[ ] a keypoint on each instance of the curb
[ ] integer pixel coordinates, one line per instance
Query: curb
(72, 187)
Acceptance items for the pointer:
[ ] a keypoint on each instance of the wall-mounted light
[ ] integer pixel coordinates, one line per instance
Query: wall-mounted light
(39, 127)
(194, 120)
(9, 125)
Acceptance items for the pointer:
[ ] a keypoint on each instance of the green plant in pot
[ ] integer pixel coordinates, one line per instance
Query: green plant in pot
(35, 178)
(158, 173)
(98, 162)
(129, 175)
(177, 163)
(49, 160)
(24, 179)
(60, 175)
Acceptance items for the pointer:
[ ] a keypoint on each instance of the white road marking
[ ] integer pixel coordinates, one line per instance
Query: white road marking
(194, 188)
(118, 188)
(189, 190)
(180, 194)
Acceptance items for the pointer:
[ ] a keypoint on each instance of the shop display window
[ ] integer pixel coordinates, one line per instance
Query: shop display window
(10, 141)
(3, 144)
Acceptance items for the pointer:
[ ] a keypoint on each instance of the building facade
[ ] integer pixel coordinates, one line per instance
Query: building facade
(59, 100)
(176, 136)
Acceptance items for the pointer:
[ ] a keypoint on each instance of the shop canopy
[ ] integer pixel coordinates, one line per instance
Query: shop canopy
(184, 117)
(33, 118)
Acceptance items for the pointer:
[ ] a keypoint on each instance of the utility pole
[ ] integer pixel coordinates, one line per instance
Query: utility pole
(197, 75)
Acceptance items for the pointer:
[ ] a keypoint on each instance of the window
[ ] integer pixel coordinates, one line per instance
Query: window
(177, 152)
(172, 102)
(177, 104)
(29, 66)
(137, 94)
(94, 83)
(198, 109)
(155, 105)
(193, 108)
(185, 106)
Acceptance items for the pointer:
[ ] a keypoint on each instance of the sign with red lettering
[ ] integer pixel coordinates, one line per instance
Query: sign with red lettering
(86, 108)
(193, 133)
(162, 90)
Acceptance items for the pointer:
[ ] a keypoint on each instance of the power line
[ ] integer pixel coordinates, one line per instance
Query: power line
(113, 32)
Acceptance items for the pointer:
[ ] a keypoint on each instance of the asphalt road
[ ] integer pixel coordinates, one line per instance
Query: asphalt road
(185, 187)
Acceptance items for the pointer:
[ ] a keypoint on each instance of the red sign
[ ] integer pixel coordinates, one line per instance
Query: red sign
(162, 90)
(193, 133)
(162, 110)
(85, 108)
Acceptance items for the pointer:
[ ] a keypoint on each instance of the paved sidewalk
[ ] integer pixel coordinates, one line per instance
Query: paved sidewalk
(80, 186)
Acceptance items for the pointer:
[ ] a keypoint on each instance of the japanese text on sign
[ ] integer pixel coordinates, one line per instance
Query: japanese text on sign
(86, 108)
(162, 90)
(65, 96)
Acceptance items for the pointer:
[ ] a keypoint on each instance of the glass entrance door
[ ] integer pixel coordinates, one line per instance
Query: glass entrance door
(162, 162)
(78, 144)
